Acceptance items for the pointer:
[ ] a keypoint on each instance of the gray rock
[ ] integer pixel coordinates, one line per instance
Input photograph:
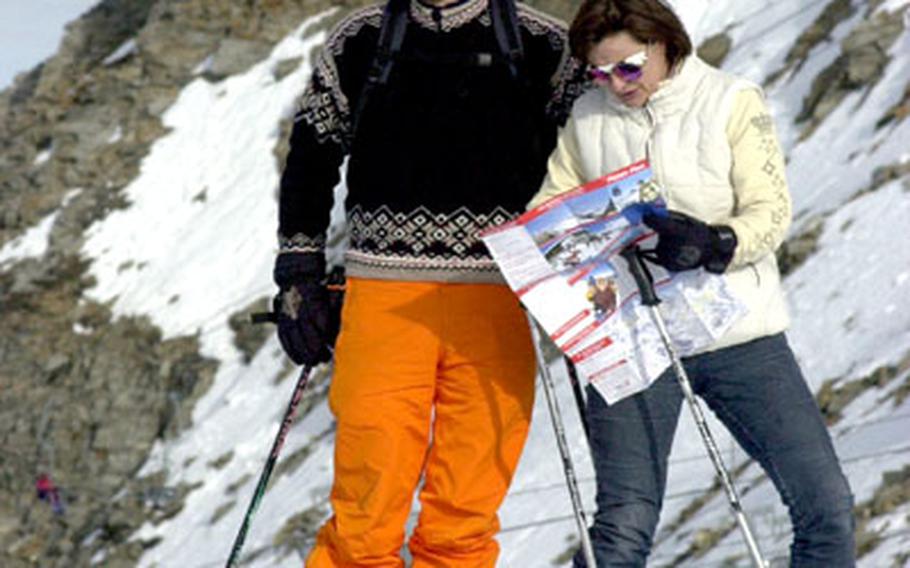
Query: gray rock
(715, 49)
(864, 56)
(234, 56)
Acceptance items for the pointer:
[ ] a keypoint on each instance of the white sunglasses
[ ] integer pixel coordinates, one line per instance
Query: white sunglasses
(629, 69)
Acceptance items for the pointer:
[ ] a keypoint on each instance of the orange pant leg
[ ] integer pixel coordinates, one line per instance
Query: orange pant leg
(484, 399)
(381, 394)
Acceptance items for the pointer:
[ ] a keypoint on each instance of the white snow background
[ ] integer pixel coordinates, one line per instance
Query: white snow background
(188, 263)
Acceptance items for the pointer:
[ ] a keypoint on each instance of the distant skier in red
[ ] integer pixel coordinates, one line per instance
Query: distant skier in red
(48, 492)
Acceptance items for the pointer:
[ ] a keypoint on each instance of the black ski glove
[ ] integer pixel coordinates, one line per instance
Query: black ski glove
(685, 243)
(308, 321)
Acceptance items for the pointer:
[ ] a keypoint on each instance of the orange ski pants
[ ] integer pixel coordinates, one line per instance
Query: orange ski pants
(432, 381)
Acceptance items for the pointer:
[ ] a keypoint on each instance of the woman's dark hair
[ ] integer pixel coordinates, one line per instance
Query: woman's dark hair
(647, 21)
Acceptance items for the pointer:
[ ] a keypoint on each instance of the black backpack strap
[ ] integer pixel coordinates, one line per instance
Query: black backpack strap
(391, 38)
(504, 15)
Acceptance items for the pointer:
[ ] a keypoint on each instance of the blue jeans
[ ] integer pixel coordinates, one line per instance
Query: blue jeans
(757, 390)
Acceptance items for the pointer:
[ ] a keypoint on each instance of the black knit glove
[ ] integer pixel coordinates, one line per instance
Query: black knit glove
(685, 243)
(307, 319)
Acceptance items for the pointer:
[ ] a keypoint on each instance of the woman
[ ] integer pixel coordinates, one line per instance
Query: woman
(712, 146)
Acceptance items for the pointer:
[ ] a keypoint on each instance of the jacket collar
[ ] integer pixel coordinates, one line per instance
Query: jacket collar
(449, 17)
(674, 94)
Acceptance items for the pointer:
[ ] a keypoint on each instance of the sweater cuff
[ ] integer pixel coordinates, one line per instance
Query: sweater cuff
(301, 243)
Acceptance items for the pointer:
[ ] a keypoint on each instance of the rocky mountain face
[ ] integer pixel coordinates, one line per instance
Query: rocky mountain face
(83, 396)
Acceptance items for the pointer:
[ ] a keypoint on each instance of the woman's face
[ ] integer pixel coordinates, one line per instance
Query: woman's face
(631, 70)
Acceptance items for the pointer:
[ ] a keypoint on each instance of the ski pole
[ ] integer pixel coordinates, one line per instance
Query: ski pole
(649, 298)
(579, 395)
(269, 465)
(559, 429)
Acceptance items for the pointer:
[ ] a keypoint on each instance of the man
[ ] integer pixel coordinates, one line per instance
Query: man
(434, 366)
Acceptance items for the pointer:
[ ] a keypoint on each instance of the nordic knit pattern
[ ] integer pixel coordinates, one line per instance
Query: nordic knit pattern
(444, 151)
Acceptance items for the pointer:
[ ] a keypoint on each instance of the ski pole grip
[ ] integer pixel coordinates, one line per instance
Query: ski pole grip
(641, 274)
(264, 317)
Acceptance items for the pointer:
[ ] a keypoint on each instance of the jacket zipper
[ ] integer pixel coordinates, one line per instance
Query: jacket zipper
(649, 146)
(651, 122)
(437, 17)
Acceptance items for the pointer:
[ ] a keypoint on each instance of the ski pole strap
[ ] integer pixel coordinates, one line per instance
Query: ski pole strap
(641, 274)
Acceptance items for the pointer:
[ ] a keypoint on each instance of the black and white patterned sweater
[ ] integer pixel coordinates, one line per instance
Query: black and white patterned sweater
(442, 152)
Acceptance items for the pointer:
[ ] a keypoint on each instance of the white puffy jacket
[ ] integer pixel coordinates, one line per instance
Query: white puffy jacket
(713, 148)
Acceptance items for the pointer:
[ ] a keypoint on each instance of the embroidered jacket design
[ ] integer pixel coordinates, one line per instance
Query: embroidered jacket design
(301, 243)
(422, 232)
(450, 18)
